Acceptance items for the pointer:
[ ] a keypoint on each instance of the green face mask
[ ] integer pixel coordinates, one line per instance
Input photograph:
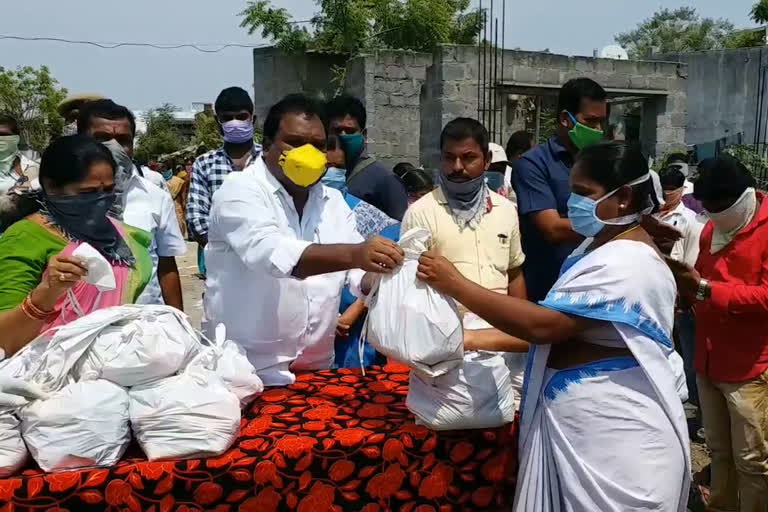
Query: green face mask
(583, 136)
(9, 144)
(352, 146)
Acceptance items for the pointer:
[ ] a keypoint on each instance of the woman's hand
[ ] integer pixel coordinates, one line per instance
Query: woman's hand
(439, 273)
(63, 273)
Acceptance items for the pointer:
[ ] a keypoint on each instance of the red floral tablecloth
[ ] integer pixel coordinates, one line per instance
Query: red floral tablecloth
(334, 440)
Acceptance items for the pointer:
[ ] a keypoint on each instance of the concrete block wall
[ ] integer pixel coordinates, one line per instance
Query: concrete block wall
(392, 86)
(724, 89)
(276, 74)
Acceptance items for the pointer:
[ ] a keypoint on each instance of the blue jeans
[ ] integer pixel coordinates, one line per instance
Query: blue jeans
(201, 260)
(685, 334)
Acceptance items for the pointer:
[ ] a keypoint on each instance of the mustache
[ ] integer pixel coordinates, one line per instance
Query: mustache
(459, 176)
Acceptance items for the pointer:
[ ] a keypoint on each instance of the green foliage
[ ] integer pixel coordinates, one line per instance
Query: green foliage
(759, 12)
(679, 30)
(754, 158)
(351, 26)
(32, 97)
(745, 39)
(207, 131)
(161, 136)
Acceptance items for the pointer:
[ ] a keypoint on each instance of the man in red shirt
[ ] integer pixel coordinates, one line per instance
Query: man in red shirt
(730, 288)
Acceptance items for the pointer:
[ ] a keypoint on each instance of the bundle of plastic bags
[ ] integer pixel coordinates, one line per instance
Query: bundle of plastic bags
(477, 394)
(102, 368)
(84, 424)
(13, 451)
(480, 393)
(411, 322)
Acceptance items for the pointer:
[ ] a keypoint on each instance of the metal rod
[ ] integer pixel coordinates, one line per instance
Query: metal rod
(479, 59)
(492, 55)
(494, 121)
(503, 49)
(485, 65)
(538, 118)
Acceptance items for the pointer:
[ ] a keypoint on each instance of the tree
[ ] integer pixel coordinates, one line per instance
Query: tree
(32, 96)
(161, 136)
(207, 133)
(351, 26)
(680, 30)
(759, 12)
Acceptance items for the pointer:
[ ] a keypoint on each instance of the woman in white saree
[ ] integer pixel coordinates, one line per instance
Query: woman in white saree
(602, 425)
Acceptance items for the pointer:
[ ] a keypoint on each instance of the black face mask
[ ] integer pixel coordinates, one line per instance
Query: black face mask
(83, 217)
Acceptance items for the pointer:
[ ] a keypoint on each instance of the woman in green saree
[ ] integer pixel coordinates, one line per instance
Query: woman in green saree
(42, 284)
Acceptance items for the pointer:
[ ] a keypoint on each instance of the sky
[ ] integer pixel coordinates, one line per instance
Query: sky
(142, 78)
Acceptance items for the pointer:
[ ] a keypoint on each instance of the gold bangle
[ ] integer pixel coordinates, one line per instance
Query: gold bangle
(34, 312)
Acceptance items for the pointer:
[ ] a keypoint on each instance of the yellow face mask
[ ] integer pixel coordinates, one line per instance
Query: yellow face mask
(304, 165)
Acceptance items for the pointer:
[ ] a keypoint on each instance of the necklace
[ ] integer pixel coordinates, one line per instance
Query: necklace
(625, 232)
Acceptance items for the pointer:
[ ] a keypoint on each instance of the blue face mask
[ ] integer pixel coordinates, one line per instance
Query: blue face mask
(582, 212)
(335, 178)
(167, 174)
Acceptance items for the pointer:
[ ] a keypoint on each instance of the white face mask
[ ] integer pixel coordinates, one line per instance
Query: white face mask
(731, 221)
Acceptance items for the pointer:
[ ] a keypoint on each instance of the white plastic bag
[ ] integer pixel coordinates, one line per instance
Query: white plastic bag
(151, 345)
(83, 425)
(412, 322)
(13, 451)
(477, 394)
(190, 415)
(235, 370)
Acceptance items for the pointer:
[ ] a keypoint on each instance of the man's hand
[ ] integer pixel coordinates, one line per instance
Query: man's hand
(378, 255)
(687, 278)
(439, 273)
(342, 330)
(663, 234)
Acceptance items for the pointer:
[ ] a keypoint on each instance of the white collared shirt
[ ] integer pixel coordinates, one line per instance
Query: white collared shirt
(685, 250)
(255, 240)
(150, 208)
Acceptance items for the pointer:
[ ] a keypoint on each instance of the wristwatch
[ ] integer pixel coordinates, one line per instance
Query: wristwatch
(704, 290)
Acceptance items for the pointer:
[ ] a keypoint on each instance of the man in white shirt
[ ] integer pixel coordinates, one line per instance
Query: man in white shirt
(144, 205)
(281, 248)
(685, 250)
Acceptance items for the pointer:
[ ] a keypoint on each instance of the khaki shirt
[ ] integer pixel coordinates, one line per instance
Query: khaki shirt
(484, 255)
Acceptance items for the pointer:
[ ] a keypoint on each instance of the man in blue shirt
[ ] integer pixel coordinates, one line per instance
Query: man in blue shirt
(367, 178)
(541, 181)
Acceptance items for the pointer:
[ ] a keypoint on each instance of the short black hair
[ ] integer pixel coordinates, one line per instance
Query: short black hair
(722, 178)
(346, 105)
(104, 109)
(672, 179)
(574, 91)
(233, 99)
(416, 180)
(676, 158)
(614, 164)
(518, 143)
(292, 104)
(463, 128)
(68, 159)
(9, 121)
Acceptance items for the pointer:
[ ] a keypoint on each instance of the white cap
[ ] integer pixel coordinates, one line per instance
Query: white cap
(497, 153)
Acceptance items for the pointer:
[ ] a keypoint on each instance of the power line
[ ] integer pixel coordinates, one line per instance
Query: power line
(205, 48)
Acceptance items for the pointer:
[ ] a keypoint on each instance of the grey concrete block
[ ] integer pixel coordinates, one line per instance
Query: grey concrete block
(658, 83)
(616, 81)
(583, 64)
(624, 67)
(638, 82)
(394, 71)
(645, 67)
(604, 66)
(525, 74)
(417, 72)
(454, 71)
(381, 98)
(549, 76)
(678, 120)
